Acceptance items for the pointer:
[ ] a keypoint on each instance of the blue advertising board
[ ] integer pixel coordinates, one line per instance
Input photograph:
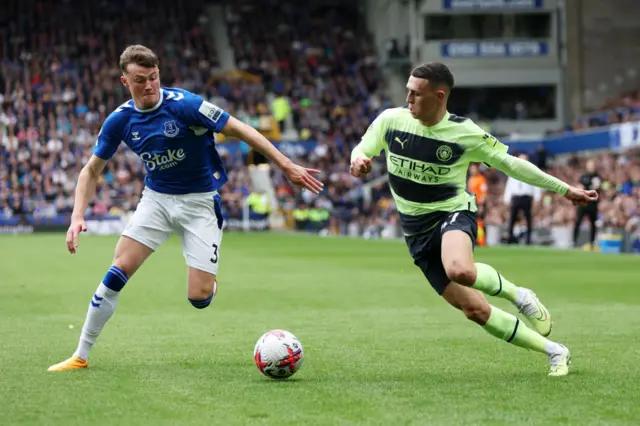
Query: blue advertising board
(494, 49)
(492, 4)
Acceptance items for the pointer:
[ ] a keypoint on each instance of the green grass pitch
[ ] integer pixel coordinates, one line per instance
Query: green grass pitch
(380, 346)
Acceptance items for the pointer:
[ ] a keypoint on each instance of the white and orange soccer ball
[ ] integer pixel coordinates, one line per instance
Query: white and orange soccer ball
(278, 354)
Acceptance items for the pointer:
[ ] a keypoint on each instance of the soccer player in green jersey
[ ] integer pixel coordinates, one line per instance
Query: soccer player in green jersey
(428, 151)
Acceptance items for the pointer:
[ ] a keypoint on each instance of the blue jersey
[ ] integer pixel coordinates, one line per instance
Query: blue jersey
(174, 140)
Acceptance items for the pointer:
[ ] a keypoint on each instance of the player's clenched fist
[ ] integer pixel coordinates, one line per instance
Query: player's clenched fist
(581, 197)
(360, 167)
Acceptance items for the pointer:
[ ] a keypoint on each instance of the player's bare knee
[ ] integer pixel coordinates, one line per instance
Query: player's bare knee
(202, 291)
(477, 312)
(461, 273)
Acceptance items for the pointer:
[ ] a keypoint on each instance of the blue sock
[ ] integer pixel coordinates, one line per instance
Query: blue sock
(115, 279)
(201, 303)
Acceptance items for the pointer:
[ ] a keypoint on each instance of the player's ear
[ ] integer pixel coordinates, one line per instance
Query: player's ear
(124, 81)
(440, 94)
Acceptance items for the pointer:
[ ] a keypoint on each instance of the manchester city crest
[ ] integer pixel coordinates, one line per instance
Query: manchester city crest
(171, 129)
(444, 153)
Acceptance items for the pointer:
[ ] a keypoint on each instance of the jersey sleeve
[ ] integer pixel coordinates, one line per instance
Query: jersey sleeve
(487, 149)
(109, 137)
(484, 147)
(203, 113)
(372, 142)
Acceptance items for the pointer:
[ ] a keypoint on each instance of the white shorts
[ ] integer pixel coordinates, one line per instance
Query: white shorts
(195, 218)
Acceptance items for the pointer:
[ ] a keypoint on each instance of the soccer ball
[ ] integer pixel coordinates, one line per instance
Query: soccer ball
(278, 354)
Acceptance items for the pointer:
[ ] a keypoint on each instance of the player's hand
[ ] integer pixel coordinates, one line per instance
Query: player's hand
(360, 167)
(581, 197)
(77, 226)
(303, 177)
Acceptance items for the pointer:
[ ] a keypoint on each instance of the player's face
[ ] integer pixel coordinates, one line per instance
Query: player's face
(144, 85)
(424, 102)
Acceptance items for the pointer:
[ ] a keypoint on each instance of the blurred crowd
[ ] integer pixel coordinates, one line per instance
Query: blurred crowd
(316, 72)
(59, 79)
(619, 204)
(311, 72)
(621, 109)
(320, 77)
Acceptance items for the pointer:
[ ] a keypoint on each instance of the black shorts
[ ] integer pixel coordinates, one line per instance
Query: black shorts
(590, 210)
(426, 248)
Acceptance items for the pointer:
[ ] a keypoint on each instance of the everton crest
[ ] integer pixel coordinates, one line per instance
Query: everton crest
(171, 129)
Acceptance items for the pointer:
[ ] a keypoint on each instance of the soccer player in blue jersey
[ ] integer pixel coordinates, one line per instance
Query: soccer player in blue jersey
(172, 131)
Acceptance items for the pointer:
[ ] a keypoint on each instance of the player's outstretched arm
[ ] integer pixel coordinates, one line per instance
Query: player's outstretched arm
(85, 190)
(298, 175)
(527, 172)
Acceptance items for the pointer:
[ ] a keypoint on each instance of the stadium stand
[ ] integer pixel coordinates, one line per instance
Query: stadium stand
(61, 79)
(312, 72)
(620, 193)
(319, 74)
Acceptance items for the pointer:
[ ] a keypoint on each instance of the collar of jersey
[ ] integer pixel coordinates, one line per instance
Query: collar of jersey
(153, 108)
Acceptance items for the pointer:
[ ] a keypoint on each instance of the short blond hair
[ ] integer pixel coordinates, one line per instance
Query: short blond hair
(139, 55)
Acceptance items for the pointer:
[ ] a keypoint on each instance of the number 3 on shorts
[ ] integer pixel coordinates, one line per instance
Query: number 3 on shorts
(214, 259)
(450, 222)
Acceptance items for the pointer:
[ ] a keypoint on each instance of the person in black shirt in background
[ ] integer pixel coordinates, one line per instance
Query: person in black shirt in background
(589, 180)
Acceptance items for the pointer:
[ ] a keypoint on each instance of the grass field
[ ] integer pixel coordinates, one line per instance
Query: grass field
(380, 346)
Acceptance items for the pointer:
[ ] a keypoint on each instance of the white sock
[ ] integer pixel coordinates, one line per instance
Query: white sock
(522, 293)
(102, 305)
(553, 348)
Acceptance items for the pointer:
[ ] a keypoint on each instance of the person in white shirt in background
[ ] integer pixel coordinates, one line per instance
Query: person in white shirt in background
(520, 196)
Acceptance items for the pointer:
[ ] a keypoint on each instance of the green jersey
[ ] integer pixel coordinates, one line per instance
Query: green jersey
(428, 164)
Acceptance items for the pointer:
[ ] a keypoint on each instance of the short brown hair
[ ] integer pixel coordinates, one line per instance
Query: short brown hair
(437, 73)
(139, 55)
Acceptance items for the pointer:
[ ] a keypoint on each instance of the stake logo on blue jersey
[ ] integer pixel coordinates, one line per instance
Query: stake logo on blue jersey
(174, 140)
